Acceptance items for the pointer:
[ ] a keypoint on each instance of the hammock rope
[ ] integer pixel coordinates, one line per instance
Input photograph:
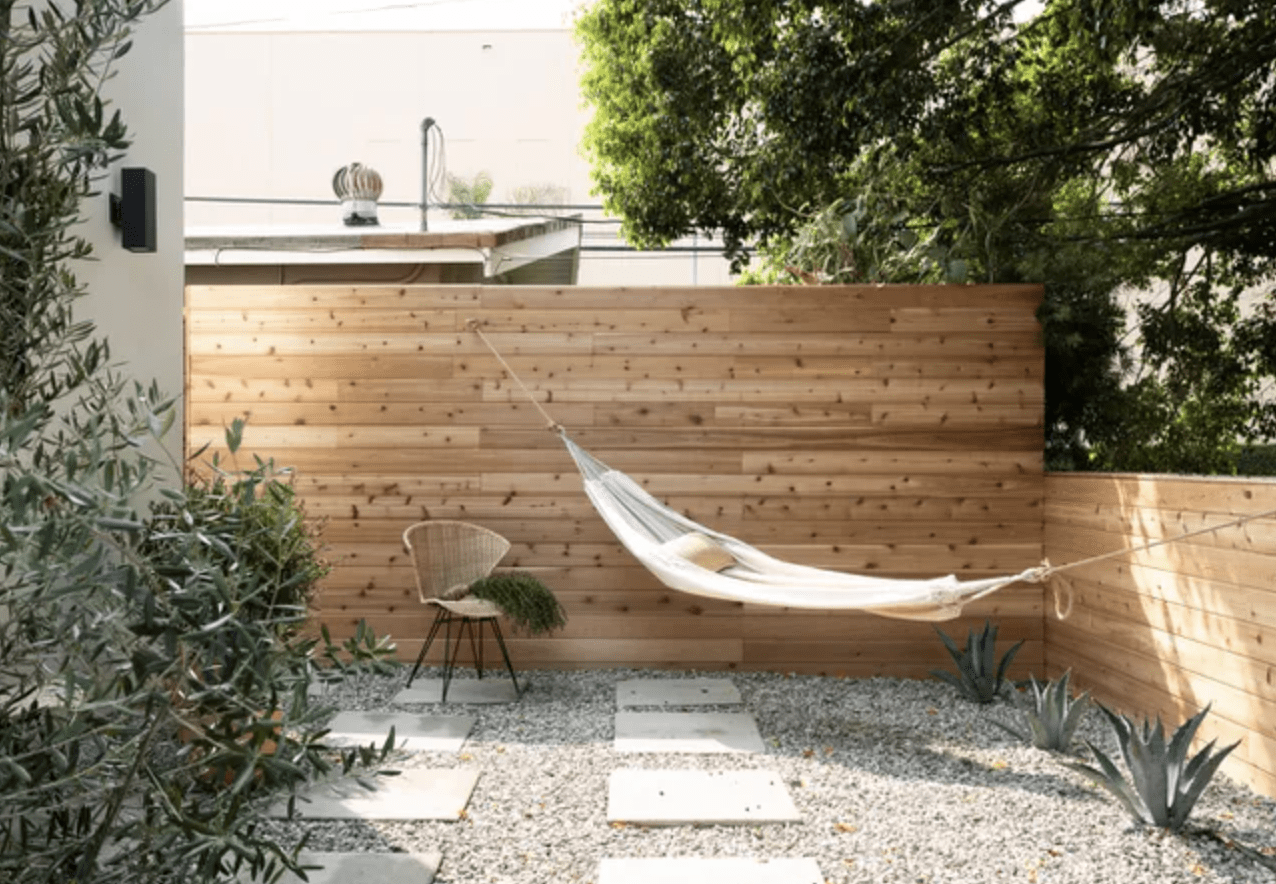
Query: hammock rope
(477, 327)
(630, 502)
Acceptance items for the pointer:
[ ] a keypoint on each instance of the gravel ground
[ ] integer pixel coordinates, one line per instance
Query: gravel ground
(896, 781)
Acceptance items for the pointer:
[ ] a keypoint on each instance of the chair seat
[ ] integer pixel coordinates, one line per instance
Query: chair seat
(477, 609)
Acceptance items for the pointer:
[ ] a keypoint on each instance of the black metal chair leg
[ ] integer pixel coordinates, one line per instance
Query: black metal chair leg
(429, 640)
(452, 649)
(500, 641)
(476, 647)
(449, 659)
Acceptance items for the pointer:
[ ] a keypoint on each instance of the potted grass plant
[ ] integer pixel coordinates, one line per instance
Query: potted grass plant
(530, 605)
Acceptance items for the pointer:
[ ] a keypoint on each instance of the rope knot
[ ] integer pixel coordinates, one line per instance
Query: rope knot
(1041, 573)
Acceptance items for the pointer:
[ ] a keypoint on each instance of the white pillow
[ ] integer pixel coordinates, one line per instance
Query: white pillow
(699, 550)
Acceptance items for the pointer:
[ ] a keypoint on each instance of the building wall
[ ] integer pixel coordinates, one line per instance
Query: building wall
(135, 299)
(1169, 630)
(882, 430)
(276, 114)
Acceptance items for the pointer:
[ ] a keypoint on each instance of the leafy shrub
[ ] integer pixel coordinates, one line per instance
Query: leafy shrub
(249, 521)
(866, 238)
(1052, 714)
(980, 677)
(466, 195)
(140, 711)
(1256, 460)
(238, 562)
(1164, 784)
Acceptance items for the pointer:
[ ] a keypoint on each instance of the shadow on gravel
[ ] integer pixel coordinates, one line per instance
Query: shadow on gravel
(908, 731)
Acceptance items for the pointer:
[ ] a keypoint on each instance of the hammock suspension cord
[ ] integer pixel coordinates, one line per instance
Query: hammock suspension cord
(1040, 575)
(475, 326)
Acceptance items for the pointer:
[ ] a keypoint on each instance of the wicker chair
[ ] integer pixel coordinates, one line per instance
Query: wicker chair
(449, 557)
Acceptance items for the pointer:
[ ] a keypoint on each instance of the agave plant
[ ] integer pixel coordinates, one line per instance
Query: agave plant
(980, 677)
(1053, 715)
(1164, 784)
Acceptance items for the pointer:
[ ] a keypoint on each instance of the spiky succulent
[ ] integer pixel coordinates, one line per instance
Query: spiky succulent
(1053, 715)
(980, 677)
(1164, 784)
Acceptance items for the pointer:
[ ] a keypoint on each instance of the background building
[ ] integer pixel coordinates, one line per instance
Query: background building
(280, 95)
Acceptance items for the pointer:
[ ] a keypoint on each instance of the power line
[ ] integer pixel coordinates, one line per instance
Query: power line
(485, 208)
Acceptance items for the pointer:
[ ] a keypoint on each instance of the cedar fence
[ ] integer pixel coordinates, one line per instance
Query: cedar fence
(1169, 630)
(890, 430)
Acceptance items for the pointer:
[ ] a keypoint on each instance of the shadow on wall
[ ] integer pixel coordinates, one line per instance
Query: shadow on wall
(1169, 630)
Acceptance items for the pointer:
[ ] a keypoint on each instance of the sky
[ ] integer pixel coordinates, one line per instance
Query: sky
(378, 15)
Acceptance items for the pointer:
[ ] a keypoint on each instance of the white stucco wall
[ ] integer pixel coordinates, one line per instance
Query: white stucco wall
(274, 114)
(136, 299)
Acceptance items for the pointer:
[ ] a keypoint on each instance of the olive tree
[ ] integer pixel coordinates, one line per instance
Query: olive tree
(153, 679)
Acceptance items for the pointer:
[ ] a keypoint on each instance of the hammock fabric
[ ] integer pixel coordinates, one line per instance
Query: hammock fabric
(687, 556)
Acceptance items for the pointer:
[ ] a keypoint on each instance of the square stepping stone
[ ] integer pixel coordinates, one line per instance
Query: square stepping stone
(414, 794)
(677, 692)
(686, 797)
(709, 870)
(319, 689)
(413, 732)
(368, 868)
(461, 690)
(694, 732)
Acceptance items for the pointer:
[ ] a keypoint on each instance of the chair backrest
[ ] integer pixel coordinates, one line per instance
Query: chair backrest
(449, 556)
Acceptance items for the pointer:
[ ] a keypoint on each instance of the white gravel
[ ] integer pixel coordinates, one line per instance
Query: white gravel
(896, 781)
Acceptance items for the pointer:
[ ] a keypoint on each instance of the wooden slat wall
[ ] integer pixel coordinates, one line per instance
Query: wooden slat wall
(1168, 630)
(889, 430)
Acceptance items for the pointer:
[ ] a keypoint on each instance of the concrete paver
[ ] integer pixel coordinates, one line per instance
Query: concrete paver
(692, 732)
(414, 794)
(684, 797)
(368, 868)
(676, 692)
(412, 731)
(461, 690)
(709, 870)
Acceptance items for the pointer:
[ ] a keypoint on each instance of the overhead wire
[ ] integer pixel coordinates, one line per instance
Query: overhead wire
(486, 208)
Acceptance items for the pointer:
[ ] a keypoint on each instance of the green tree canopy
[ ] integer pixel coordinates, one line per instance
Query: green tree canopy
(1099, 146)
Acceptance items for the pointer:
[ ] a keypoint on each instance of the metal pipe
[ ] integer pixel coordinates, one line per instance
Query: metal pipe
(425, 172)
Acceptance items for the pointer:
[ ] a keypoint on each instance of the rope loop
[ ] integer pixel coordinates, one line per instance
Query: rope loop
(1060, 586)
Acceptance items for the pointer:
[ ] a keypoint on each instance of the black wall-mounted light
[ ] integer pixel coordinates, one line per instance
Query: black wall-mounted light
(133, 210)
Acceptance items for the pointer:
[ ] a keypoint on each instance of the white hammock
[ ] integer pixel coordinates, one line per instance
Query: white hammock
(687, 556)
(666, 543)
